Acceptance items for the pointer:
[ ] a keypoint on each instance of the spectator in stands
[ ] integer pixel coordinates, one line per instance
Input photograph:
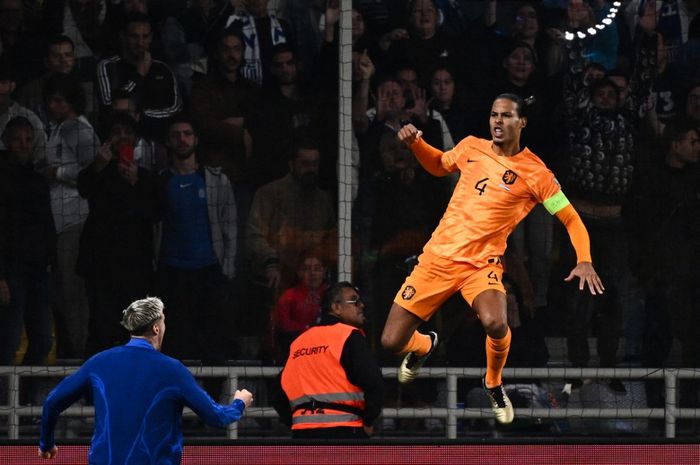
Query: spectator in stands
(601, 162)
(291, 106)
(197, 249)
(392, 108)
(299, 307)
(81, 21)
(289, 215)
(116, 14)
(425, 45)
(331, 386)
(59, 58)
(72, 145)
(445, 98)
(261, 30)
(224, 106)
(184, 41)
(151, 81)
(148, 153)
(418, 100)
(116, 247)
(27, 248)
(10, 109)
(665, 211)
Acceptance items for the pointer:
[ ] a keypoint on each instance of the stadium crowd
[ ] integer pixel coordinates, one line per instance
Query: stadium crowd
(188, 150)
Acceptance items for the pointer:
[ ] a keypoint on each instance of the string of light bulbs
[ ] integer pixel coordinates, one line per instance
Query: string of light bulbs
(593, 30)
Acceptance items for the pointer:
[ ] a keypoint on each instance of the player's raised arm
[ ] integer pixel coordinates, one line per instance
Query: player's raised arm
(579, 239)
(428, 156)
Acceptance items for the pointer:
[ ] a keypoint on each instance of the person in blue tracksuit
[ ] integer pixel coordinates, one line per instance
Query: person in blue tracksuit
(138, 394)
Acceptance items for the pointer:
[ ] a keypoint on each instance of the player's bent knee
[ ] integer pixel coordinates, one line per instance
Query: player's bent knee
(391, 341)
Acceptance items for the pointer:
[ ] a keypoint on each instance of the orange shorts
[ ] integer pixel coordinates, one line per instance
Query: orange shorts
(435, 279)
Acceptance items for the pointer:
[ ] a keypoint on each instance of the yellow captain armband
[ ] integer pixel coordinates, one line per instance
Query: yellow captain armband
(556, 203)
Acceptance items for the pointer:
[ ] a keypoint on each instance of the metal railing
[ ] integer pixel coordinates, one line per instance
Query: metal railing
(451, 413)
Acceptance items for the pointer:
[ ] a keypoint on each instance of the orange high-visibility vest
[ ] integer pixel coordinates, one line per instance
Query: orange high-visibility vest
(318, 389)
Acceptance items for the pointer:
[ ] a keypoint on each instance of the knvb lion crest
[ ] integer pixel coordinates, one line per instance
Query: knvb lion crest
(408, 292)
(509, 177)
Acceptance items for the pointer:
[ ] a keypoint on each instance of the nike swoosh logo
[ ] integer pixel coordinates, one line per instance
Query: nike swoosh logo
(185, 185)
(469, 160)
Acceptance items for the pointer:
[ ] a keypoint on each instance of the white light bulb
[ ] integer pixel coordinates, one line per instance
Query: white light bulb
(568, 36)
(580, 34)
(592, 31)
(607, 21)
(617, 4)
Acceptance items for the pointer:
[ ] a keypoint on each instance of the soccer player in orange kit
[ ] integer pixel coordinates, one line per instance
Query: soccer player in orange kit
(498, 186)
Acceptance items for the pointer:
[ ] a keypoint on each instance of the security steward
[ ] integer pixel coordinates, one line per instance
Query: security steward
(331, 386)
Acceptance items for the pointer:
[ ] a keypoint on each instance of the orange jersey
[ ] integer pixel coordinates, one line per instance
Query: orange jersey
(493, 195)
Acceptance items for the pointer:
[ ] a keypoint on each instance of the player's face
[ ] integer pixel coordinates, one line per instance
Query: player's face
(505, 122)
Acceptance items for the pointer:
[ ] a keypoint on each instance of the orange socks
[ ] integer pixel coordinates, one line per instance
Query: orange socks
(419, 344)
(496, 355)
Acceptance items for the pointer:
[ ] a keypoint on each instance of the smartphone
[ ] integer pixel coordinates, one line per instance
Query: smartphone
(126, 154)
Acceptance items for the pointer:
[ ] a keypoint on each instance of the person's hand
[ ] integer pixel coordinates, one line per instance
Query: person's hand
(409, 134)
(369, 430)
(49, 454)
(245, 395)
(130, 172)
(420, 105)
(272, 275)
(365, 67)
(103, 157)
(554, 34)
(382, 103)
(4, 293)
(648, 20)
(587, 276)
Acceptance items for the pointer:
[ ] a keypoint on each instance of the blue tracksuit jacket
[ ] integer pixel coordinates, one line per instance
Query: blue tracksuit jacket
(139, 395)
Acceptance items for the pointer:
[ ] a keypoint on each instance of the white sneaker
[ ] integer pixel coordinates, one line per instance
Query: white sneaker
(500, 403)
(411, 362)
